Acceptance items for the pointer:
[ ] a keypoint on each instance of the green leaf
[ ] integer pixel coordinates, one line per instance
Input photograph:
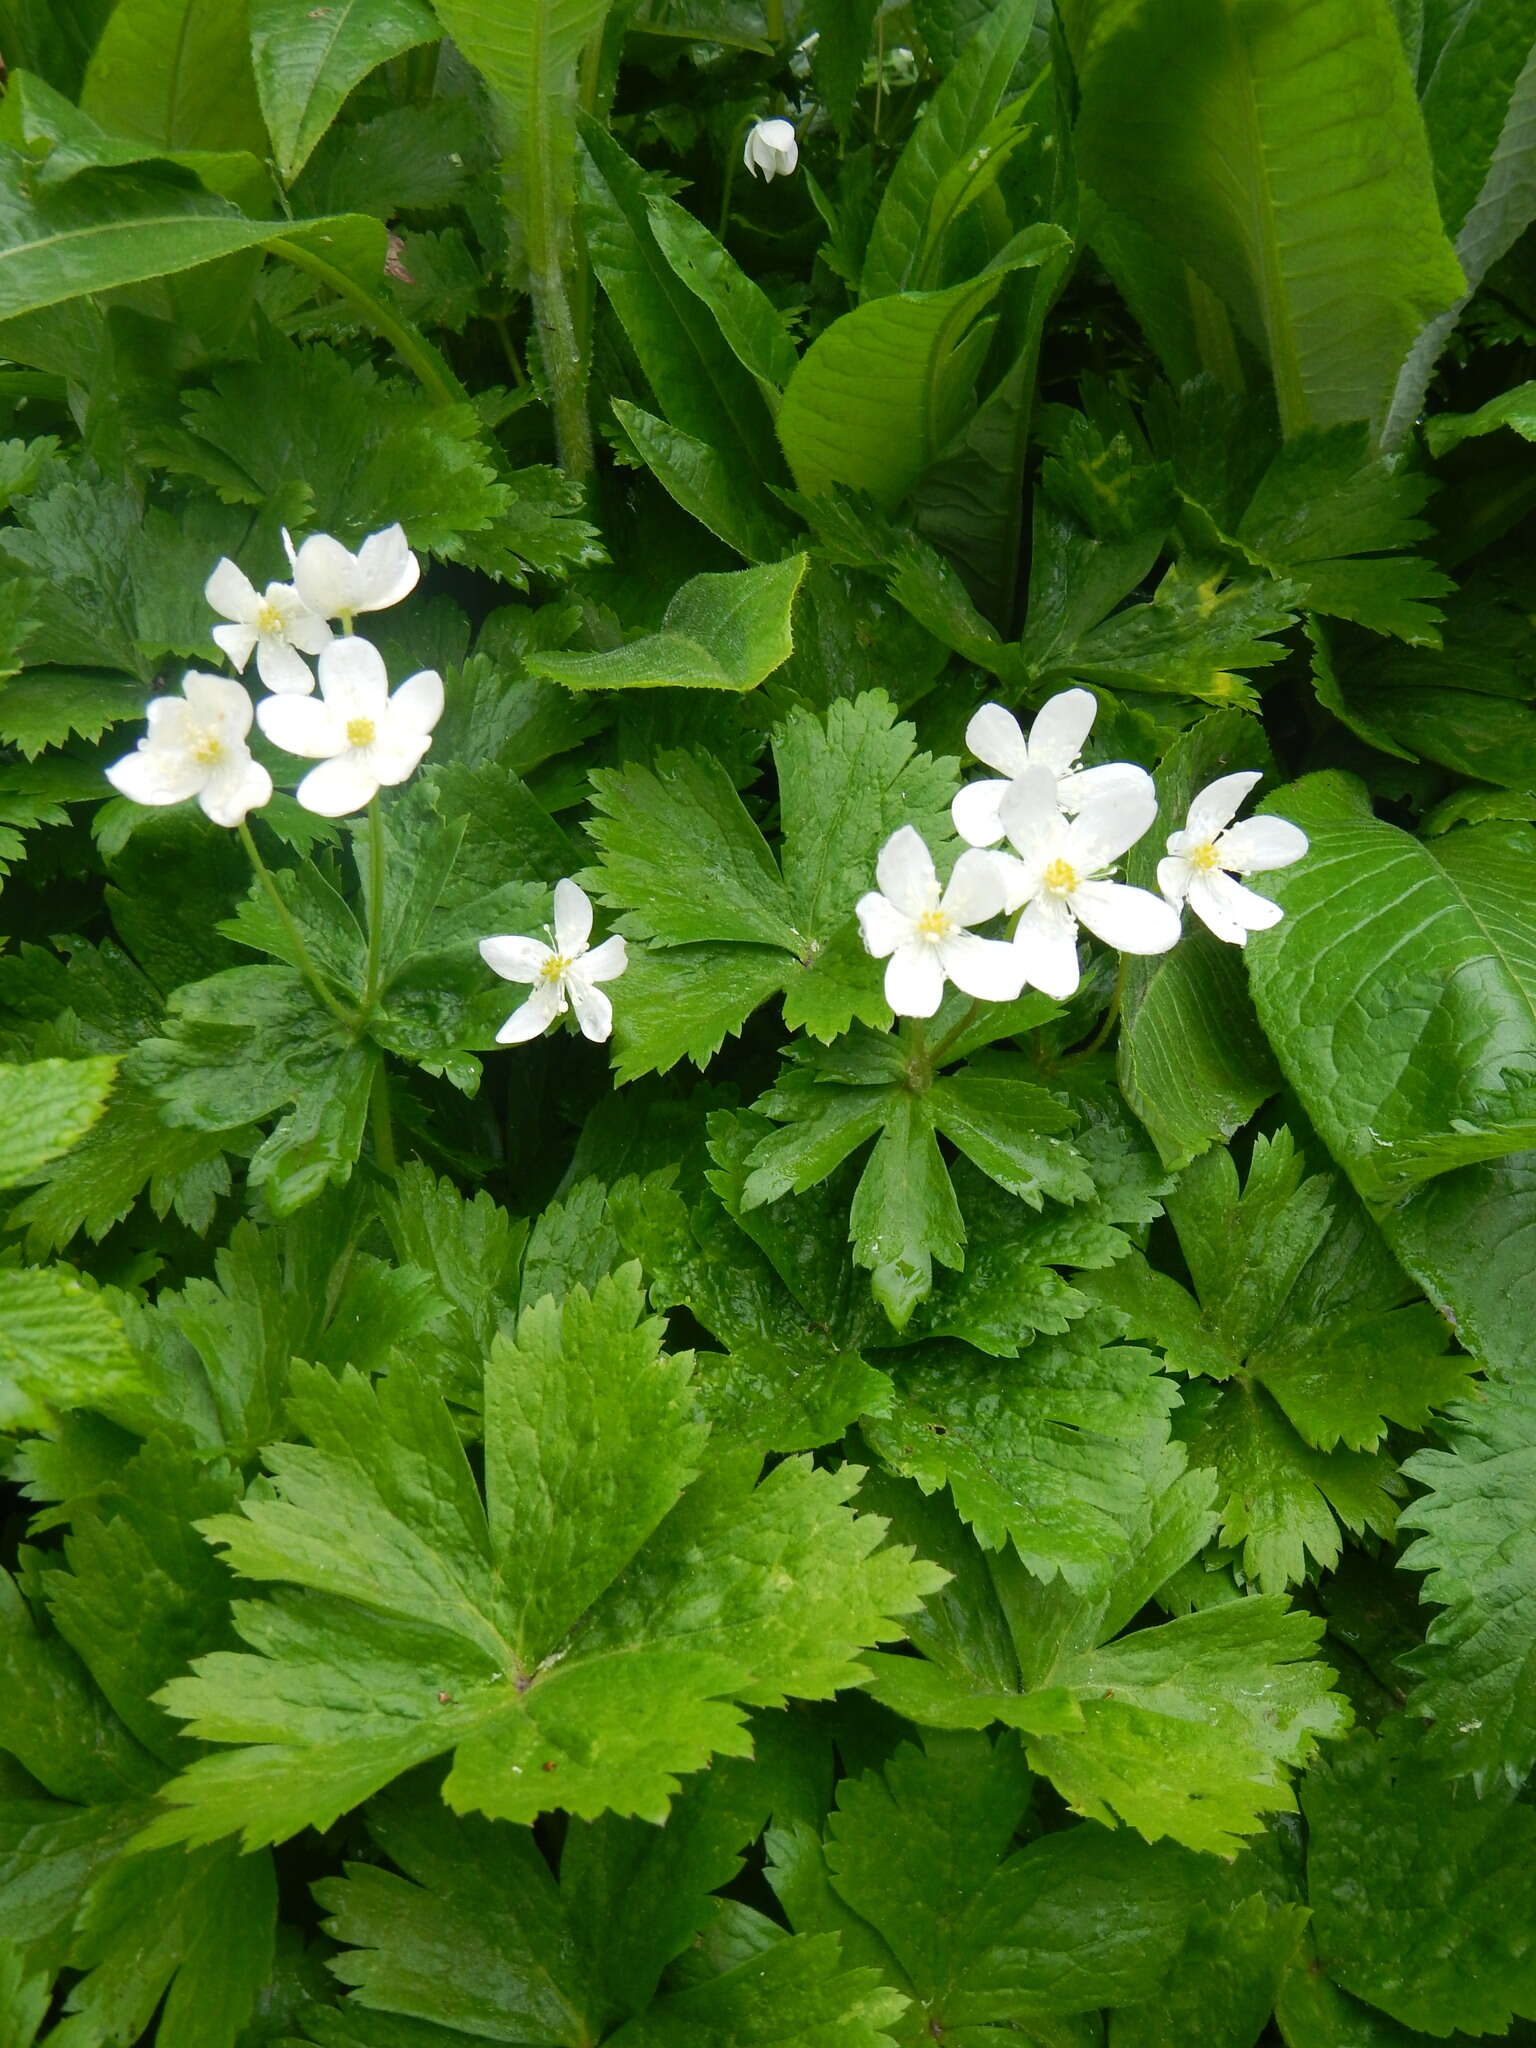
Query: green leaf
(105, 229)
(878, 395)
(1191, 1059)
(176, 72)
(307, 61)
(60, 1346)
(1515, 409)
(1477, 1672)
(915, 1869)
(1417, 1893)
(1215, 125)
(795, 1990)
(751, 324)
(1237, 1950)
(45, 1108)
(42, 124)
(1406, 1051)
(738, 1592)
(717, 633)
(1463, 1237)
(906, 243)
(703, 482)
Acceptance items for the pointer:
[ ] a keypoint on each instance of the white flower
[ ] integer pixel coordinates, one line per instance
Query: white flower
(563, 975)
(1060, 877)
(1203, 858)
(771, 150)
(363, 736)
(923, 932)
(1054, 741)
(196, 746)
(276, 624)
(337, 584)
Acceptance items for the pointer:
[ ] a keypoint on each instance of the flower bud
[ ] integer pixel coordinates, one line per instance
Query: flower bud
(771, 149)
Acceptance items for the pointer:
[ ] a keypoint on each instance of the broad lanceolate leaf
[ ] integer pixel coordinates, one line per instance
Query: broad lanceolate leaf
(1421, 1890)
(491, 1628)
(176, 72)
(1399, 992)
(718, 633)
(307, 59)
(1281, 155)
(1478, 1669)
(877, 398)
(46, 1107)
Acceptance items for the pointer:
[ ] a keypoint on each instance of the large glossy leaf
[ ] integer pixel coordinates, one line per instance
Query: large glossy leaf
(307, 59)
(1280, 151)
(176, 72)
(719, 633)
(878, 397)
(1399, 992)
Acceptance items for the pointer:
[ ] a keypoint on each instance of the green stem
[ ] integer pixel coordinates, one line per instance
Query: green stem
(731, 156)
(295, 938)
(773, 15)
(417, 355)
(381, 1122)
(549, 243)
(937, 1057)
(1111, 1016)
(375, 899)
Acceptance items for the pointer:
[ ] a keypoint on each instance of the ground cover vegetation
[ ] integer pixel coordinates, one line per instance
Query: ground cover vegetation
(767, 1023)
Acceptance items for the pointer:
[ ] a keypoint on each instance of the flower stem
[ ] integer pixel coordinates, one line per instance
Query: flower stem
(295, 938)
(380, 1120)
(413, 350)
(1111, 1016)
(937, 1056)
(375, 899)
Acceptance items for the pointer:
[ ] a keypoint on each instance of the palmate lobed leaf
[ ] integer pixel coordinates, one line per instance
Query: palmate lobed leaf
(567, 1659)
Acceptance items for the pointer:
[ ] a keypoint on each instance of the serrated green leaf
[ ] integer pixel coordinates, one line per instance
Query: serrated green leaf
(45, 1108)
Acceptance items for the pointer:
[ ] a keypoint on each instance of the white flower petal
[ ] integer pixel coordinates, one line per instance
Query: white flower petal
(304, 726)
(975, 813)
(339, 786)
(1230, 910)
(905, 872)
(996, 737)
(352, 674)
(515, 959)
(1122, 779)
(281, 668)
(1255, 845)
(1021, 879)
(1218, 803)
(325, 576)
(1031, 814)
(386, 570)
(231, 593)
(219, 702)
(241, 785)
(1046, 943)
(418, 703)
(1173, 877)
(536, 1015)
(150, 776)
(881, 925)
(989, 969)
(573, 917)
(976, 889)
(1109, 825)
(914, 980)
(237, 642)
(1061, 725)
(1130, 920)
(607, 961)
(307, 630)
(594, 1012)
(395, 756)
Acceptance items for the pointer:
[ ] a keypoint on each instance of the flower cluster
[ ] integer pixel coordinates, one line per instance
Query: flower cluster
(1059, 830)
(197, 745)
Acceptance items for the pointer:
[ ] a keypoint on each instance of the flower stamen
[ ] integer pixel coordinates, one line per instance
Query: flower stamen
(935, 924)
(1060, 877)
(361, 732)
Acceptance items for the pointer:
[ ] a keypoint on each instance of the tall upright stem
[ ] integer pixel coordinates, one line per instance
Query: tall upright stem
(412, 348)
(375, 899)
(285, 918)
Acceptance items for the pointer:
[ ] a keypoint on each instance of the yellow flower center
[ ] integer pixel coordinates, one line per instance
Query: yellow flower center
(553, 967)
(207, 749)
(269, 619)
(1203, 857)
(361, 732)
(1060, 877)
(934, 924)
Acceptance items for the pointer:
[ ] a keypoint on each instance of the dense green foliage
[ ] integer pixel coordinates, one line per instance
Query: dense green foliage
(791, 1526)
